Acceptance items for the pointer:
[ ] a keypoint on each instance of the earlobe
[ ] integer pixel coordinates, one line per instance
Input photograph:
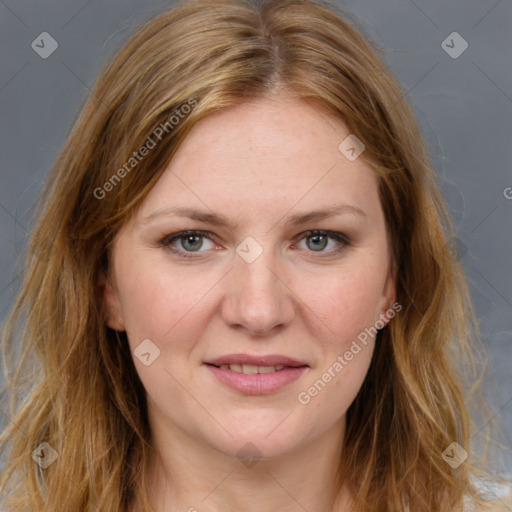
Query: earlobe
(389, 295)
(110, 303)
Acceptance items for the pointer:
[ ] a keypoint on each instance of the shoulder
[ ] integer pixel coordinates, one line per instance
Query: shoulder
(499, 494)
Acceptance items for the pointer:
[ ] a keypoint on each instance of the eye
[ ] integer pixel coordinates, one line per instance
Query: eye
(192, 241)
(317, 241)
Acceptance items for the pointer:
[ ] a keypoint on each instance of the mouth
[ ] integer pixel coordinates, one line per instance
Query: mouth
(275, 361)
(251, 369)
(256, 375)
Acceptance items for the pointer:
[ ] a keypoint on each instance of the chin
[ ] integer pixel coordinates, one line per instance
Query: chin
(258, 442)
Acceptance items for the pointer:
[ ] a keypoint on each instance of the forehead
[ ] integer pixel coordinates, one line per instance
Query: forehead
(264, 155)
(279, 128)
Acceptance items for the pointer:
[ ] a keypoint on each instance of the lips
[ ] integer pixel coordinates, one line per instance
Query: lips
(267, 360)
(256, 375)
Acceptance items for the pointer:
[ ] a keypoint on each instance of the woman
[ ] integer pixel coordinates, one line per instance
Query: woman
(239, 294)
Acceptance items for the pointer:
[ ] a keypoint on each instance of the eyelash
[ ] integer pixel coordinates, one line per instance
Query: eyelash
(169, 239)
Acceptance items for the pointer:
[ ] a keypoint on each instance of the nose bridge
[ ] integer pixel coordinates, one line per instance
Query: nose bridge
(257, 297)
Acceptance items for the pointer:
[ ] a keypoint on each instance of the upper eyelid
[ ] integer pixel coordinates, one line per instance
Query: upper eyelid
(169, 239)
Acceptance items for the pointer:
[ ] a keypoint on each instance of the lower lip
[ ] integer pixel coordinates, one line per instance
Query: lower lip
(257, 383)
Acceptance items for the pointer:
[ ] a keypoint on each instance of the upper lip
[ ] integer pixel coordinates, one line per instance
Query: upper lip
(268, 360)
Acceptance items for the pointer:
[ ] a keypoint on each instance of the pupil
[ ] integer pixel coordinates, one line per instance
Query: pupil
(314, 238)
(318, 237)
(191, 238)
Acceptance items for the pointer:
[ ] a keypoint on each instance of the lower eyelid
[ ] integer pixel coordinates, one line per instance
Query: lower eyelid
(340, 238)
(171, 239)
(342, 242)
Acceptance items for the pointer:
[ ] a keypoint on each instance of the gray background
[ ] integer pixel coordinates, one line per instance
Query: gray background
(463, 104)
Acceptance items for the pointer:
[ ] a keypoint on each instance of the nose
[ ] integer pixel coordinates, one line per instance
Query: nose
(258, 298)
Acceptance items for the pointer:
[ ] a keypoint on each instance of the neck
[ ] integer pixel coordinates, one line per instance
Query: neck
(188, 475)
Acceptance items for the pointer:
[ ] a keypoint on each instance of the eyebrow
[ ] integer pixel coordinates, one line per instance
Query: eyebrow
(216, 219)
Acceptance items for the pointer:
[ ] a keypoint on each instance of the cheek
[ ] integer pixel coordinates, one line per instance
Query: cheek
(170, 309)
(331, 396)
(160, 303)
(346, 302)
(346, 343)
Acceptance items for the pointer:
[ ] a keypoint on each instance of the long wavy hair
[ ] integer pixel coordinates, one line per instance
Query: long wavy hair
(71, 380)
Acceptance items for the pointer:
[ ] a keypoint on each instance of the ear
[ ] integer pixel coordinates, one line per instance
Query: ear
(110, 303)
(389, 293)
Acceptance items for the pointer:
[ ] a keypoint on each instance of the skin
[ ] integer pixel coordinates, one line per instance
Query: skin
(257, 163)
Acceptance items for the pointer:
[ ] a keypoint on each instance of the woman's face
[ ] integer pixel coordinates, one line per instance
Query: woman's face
(261, 287)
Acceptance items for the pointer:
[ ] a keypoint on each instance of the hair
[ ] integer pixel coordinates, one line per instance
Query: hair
(71, 379)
